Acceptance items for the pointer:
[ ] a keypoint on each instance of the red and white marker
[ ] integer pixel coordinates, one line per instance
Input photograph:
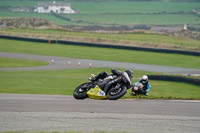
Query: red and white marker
(79, 64)
(90, 65)
(52, 61)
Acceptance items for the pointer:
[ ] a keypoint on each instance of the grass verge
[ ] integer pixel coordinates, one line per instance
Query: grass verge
(100, 53)
(134, 39)
(11, 62)
(63, 82)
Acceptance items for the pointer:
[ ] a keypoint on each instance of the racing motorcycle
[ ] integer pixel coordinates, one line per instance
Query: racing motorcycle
(137, 89)
(112, 87)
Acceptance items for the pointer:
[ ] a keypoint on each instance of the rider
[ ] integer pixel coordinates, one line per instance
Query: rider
(146, 85)
(115, 72)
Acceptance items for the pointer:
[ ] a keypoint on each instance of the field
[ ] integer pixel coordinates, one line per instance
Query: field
(100, 53)
(107, 14)
(114, 13)
(131, 39)
(63, 82)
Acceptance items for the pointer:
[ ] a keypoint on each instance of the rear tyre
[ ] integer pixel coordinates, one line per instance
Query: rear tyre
(116, 93)
(81, 91)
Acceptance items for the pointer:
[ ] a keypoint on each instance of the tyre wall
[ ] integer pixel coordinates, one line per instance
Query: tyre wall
(175, 78)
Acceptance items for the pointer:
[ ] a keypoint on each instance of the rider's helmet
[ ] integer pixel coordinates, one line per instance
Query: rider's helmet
(144, 79)
(130, 73)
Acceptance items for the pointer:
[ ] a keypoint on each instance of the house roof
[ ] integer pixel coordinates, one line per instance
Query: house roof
(42, 4)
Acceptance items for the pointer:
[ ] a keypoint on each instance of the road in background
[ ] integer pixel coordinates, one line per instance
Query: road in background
(63, 63)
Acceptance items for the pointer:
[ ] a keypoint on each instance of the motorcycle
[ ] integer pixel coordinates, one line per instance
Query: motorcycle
(137, 89)
(112, 87)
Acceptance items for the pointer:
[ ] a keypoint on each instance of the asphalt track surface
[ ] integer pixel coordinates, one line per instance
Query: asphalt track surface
(35, 113)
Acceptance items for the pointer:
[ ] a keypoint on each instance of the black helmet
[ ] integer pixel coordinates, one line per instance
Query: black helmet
(130, 73)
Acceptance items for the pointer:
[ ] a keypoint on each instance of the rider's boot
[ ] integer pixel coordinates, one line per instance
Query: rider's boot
(133, 93)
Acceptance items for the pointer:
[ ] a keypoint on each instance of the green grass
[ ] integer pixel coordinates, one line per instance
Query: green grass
(11, 62)
(170, 90)
(116, 12)
(113, 6)
(111, 20)
(99, 53)
(18, 3)
(44, 82)
(132, 7)
(63, 82)
(136, 19)
(148, 39)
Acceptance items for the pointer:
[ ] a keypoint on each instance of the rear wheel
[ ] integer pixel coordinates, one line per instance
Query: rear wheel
(116, 92)
(81, 91)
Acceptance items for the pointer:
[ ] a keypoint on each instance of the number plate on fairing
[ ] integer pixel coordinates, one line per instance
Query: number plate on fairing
(96, 93)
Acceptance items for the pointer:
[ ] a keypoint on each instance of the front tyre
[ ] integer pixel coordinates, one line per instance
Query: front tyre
(116, 93)
(81, 91)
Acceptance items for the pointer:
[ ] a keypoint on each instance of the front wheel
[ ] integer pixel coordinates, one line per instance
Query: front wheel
(116, 93)
(81, 91)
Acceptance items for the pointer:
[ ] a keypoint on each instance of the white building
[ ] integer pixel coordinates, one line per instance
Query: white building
(53, 7)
